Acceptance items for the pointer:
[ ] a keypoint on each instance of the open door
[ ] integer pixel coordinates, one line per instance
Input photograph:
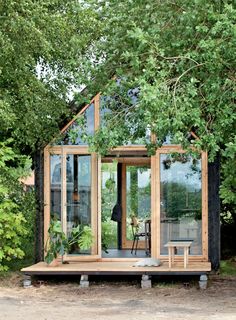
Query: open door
(136, 200)
(125, 193)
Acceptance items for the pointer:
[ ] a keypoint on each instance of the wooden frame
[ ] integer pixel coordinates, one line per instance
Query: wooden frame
(63, 152)
(155, 209)
(74, 149)
(205, 206)
(156, 205)
(127, 244)
(139, 157)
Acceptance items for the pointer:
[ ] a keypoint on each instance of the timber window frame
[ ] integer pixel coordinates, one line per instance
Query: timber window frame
(122, 151)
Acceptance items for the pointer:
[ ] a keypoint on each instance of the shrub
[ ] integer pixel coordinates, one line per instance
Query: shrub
(12, 230)
(12, 204)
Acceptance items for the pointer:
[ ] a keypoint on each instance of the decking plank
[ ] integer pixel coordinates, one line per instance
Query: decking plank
(116, 268)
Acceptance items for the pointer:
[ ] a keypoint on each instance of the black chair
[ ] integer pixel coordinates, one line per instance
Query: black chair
(135, 224)
(148, 237)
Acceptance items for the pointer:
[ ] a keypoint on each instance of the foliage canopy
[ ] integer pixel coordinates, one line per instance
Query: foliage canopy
(42, 46)
(178, 57)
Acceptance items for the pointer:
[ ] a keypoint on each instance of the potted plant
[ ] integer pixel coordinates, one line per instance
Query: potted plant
(81, 236)
(58, 244)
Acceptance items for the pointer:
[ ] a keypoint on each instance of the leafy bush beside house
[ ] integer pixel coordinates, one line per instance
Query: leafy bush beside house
(14, 206)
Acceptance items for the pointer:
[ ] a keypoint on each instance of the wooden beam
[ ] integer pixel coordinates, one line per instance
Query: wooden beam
(64, 191)
(205, 206)
(154, 205)
(99, 203)
(158, 204)
(94, 203)
(46, 195)
(69, 149)
(130, 148)
(131, 161)
(194, 135)
(96, 111)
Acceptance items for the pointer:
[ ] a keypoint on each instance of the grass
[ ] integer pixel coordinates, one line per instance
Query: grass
(228, 267)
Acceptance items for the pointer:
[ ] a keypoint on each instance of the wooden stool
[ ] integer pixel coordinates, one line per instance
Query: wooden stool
(173, 245)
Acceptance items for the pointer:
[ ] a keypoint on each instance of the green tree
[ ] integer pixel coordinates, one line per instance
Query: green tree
(43, 45)
(181, 58)
(228, 186)
(176, 59)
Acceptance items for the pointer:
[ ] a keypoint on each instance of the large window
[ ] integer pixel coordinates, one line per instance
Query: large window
(181, 200)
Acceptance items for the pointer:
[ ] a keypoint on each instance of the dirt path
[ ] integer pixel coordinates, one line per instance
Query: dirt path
(118, 301)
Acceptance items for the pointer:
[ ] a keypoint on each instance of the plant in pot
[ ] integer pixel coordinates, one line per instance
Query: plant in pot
(58, 244)
(81, 237)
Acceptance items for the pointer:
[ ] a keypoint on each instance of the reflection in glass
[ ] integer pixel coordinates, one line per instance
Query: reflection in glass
(138, 195)
(78, 187)
(74, 135)
(141, 140)
(55, 186)
(105, 111)
(108, 111)
(181, 214)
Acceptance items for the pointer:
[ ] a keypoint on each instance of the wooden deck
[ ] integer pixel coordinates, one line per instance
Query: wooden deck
(116, 268)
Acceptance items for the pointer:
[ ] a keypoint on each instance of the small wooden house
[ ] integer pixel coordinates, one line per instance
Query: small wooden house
(136, 205)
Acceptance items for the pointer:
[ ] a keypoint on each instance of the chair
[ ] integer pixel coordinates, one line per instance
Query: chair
(148, 237)
(137, 234)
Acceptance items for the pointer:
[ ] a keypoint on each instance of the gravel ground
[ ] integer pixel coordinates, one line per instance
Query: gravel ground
(117, 300)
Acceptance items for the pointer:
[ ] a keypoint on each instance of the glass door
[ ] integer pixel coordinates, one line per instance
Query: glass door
(74, 199)
(80, 197)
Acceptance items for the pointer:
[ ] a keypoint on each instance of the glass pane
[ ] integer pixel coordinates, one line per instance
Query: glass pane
(109, 110)
(138, 196)
(74, 135)
(104, 110)
(78, 188)
(181, 214)
(142, 140)
(55, 187)
(168, 140)
(109, 198)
